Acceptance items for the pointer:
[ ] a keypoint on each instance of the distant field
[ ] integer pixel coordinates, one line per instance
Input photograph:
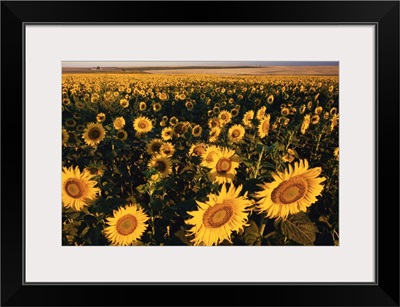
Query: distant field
(222, 71)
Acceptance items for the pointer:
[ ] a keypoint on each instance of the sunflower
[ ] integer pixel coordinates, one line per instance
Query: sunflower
(142, 106)
(292, 191)
(216, 219)
(318, 110)
(167, 133)
(121, 135)
(234, 112)
(127, 225)
(236, 133)
(197, 149)
(167, 149)
(142, 124)
(78, 188)
(70, 122)
(119, 123)
(214, 134)
(163, 96)
(263, 127)
(302, 109)
(305, 124)
(214, 122)
(270, 99)
(173, 121)
(93, 134)
(196, 131)
(261, 113)
(336, 153)
(180, 128)
(225, 117)
(156, 107)
(162, 164)
(124, 103)
(334, 121)
(101, 117)
(65, 137)
(223, 167)
(315, 119)
(154, 146)
(285, 111)
(247, 117)
(189, 105)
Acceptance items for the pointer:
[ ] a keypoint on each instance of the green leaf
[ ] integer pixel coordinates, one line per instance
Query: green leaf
(252, 234)
(300, 229)
(181, 234)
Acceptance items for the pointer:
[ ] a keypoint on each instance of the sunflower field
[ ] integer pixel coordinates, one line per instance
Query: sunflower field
(153, 159)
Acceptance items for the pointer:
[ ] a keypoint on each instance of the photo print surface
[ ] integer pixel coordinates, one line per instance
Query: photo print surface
(200, 153)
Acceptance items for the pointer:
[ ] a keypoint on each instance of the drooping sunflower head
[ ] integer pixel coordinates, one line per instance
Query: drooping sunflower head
(261, 113)
(216, 219)
(126, 226)
(236, 133)
(305, 124)
(119, 123)
(247, 118)
(291, 192)
(223, 165)
(161, 164)
(78, 188)
(93, 134)
(181, 128)
(142, 124)
(214, 134)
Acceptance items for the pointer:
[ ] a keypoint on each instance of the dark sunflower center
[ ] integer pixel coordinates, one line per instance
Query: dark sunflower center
(156, 147)
(142, 125)
(74, 188)
(223, 165)
(121, 135)
(161, 166)
(290, 191)
(196, 130)
(218, 215)
(94, 133)
(235, 133)
(178, 128)
(126, 225)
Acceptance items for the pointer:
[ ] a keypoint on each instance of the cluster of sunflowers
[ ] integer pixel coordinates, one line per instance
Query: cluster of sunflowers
(199, 160)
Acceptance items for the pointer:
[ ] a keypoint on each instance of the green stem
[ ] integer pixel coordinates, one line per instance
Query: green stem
(263, 223)
(258, 163)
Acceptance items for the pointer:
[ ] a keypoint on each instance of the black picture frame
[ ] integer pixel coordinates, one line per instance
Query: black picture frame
(383, 14)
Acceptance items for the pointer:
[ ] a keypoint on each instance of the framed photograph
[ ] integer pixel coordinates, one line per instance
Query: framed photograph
(171, 148)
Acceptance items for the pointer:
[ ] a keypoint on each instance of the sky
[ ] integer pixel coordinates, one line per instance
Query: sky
(193, 63)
